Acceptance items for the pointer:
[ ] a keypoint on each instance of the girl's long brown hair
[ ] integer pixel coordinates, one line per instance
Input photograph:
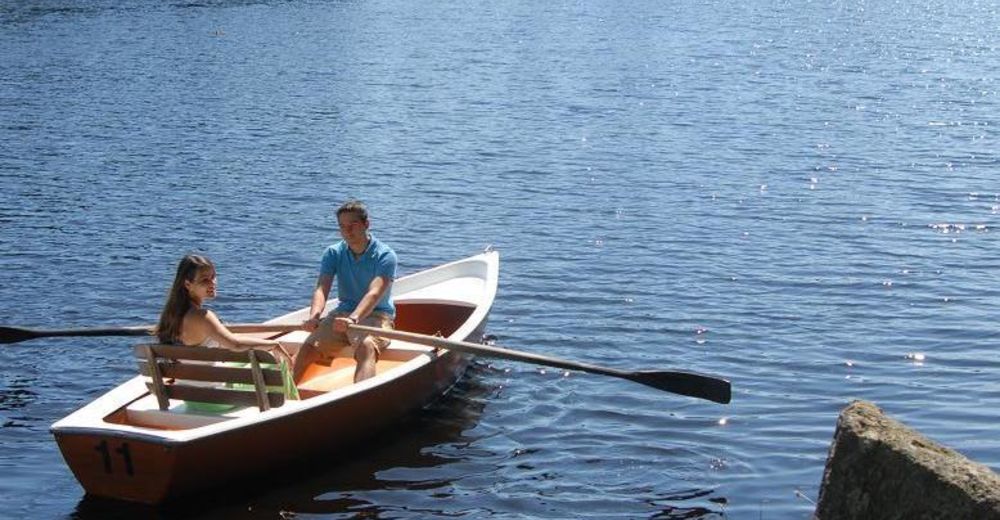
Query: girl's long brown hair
(178, 300)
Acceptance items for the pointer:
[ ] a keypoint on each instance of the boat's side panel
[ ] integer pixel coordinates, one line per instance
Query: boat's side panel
(119, 467)
(150, 472)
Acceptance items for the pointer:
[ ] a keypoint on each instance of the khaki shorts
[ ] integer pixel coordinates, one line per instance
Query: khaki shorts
(330, 343)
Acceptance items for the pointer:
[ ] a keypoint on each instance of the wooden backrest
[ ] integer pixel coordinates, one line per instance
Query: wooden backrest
(175, 371)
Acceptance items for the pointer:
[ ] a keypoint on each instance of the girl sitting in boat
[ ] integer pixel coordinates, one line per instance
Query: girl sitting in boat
(185, 322)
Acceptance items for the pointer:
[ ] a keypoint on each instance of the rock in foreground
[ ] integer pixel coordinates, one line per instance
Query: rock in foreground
(878, 468)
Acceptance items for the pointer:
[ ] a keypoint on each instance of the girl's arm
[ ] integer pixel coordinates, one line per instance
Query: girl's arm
(226, 338)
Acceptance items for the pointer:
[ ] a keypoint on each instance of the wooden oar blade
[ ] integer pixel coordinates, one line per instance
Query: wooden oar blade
(686, 383)
(14, 334)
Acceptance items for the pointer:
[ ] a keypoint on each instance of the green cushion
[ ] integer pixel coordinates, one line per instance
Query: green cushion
(209, 408)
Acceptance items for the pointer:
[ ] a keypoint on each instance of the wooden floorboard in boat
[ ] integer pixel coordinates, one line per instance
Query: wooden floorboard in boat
(340, 373)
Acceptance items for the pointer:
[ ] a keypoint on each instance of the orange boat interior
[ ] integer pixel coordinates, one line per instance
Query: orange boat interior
(319, 378)
(421, 318)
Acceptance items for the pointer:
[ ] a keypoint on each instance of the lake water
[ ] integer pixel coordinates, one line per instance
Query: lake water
(800, 196)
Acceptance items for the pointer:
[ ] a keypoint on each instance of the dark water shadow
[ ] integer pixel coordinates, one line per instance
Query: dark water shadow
(324, 486)
(671, 512)
(16, 395)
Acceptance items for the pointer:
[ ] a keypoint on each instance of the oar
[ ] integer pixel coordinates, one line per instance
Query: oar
(16, 334)
(684, 383)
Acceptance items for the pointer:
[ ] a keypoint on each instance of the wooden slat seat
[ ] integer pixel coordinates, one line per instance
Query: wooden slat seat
(180, 372)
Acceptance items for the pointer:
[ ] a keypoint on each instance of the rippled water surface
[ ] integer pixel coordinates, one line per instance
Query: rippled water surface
(800, 196)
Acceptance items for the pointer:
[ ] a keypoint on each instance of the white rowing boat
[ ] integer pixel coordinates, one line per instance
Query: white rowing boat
(130, 445)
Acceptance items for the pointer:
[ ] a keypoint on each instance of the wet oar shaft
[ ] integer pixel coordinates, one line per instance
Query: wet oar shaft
(685, 383)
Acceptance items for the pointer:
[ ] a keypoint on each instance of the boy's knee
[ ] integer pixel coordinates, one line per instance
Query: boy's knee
(366, 350)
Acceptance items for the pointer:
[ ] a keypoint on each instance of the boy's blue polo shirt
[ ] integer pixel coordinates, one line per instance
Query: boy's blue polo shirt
(354, 276)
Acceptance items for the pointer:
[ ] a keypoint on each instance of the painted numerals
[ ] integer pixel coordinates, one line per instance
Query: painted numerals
(109, 455)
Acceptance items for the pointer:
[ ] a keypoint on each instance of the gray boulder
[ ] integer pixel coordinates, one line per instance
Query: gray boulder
(878, 468)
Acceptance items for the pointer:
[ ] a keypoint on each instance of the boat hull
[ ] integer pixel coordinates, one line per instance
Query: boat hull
(153, 466)
(152, 471)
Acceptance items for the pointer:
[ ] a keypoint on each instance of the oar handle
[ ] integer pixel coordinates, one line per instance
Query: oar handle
(247, 328)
